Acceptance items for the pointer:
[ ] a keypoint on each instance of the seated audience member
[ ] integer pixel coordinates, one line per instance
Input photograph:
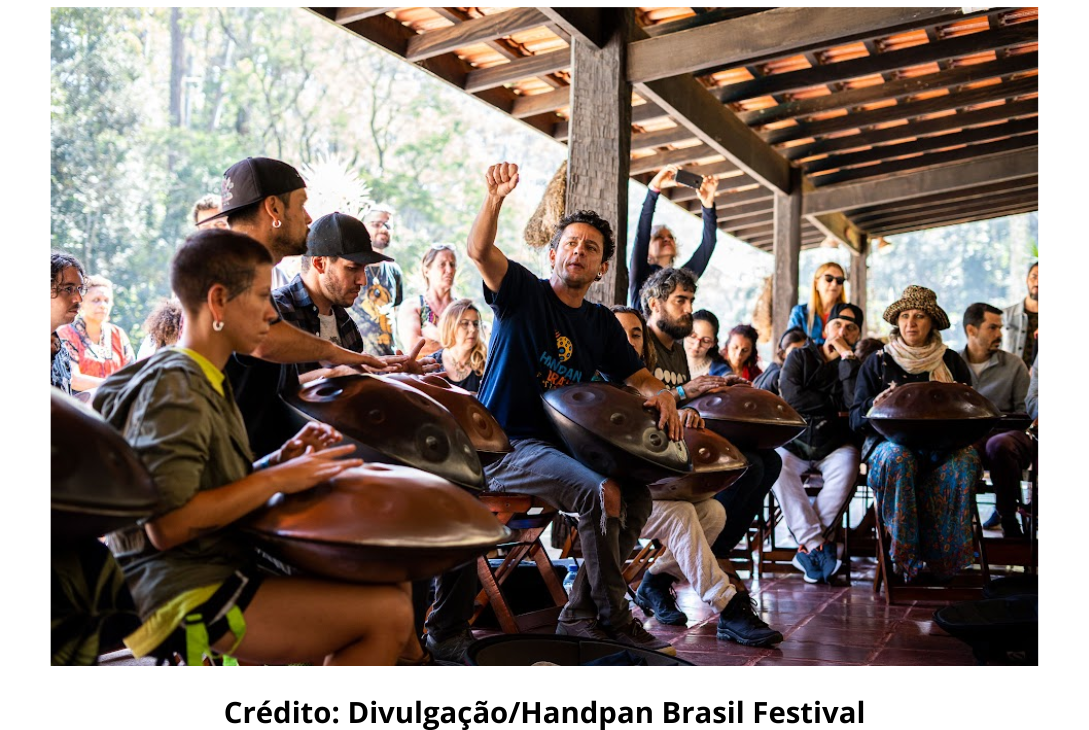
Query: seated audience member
(332, 271)
(66, 296)
(546, 335)
(1003, 378)
(420, 317)
(163, 326)
(635, 328)
(818, 381)
(866, 347)
(655, 248)
(464, 352)
(193, 578)
(375, 311)
(792, 339)
(1022, 320)
(740, 352)
(684, 528)
(827, 291)
(99, 347)
(90, 608)
(925, 497)
(701, 346)
(205, 214)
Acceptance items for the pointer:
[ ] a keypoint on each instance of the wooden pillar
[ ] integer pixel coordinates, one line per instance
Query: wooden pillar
(599, 146)
(859, 281)
(787, 247)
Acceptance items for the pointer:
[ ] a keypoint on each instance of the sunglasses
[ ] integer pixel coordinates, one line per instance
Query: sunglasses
(838, 279)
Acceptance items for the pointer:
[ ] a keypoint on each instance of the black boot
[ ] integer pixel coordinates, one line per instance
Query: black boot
(739, 622)
(657, 598)
(1012, 528)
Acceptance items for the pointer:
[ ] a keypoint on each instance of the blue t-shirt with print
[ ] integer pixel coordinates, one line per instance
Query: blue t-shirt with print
(539, 343)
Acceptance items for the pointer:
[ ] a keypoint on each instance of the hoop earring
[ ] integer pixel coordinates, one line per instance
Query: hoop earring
(598, 277)
(276, 222)
(217, 325)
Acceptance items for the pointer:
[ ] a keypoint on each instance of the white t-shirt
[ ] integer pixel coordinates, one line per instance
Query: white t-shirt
(329, 330)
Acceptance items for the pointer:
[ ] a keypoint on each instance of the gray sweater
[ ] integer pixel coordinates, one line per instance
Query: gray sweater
(1004, 380)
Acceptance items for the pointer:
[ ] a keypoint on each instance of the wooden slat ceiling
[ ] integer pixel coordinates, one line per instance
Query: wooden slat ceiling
(889, 113)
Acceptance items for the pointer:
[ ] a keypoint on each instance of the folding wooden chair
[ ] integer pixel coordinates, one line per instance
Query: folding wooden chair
(527, 517)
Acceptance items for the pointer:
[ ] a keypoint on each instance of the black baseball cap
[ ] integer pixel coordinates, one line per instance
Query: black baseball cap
(341, 235)
(252, 180)
(854, 313)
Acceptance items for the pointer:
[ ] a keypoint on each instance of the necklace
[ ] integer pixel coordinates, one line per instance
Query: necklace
(103, 349)
(460, 368)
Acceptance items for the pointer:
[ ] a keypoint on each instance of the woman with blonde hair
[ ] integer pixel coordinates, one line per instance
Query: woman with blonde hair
(827, 292)
(98, 347)
(464, 351)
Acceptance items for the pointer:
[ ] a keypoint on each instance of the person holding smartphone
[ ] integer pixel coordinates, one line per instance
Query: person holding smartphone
(654, 247)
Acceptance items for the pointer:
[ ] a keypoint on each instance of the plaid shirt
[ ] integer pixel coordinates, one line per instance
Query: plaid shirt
(299, 310)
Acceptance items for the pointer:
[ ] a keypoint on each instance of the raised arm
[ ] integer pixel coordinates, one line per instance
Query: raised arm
(492, 263)
(702, 257)
(639, 271)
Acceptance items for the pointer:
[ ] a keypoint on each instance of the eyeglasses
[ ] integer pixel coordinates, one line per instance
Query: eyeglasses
(388, 225)
(69, 290)
(474, 323)
(838, 279)
(702, 340)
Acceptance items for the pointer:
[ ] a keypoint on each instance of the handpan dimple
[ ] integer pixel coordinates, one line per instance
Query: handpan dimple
(934, 416)
(749, 417)
(716, 465)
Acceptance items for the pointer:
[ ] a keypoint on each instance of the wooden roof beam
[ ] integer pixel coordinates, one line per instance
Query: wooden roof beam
(350, 15)
(995, 202)
(478, 30)
(934, 181)
(523, 68)
(954, 220)
(863, 215)
(753, 37)
(593, 25)
(833, 73)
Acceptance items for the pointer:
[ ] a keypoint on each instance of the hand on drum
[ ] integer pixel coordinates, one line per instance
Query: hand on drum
(884, 394)
(669, 419)
(691, 418)
(316, 435)
(698, 386)
(311, 468)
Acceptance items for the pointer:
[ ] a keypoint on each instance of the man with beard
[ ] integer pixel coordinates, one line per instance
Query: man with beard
(332, 272)
(818, 381)
(1022, 321)
(375, 309)
(1004, 380)
(546, 336)
(688, 530)
(266, 200)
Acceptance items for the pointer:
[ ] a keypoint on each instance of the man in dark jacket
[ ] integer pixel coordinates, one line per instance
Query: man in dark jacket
(818, 381)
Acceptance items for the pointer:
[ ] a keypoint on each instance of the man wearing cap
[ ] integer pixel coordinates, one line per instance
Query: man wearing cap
(375, 309)
(818, 381)
(332, 271)
(1003, 378)
(266, 199)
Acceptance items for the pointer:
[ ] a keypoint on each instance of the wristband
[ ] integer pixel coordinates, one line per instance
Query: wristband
(263, 463)
(680, 393)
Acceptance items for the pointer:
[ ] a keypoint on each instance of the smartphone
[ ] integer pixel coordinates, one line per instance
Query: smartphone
(690, 179)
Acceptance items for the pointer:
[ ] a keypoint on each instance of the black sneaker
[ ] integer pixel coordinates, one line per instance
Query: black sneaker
(587, 628)
(451, 649)
(635, 635)
(739, 622)
(657, 598)
(993, 521)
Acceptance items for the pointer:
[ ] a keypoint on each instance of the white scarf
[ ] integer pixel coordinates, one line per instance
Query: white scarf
(925, 359)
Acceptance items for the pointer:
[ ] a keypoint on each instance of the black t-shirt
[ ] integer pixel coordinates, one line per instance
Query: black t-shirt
(672, 365)
(539, 343)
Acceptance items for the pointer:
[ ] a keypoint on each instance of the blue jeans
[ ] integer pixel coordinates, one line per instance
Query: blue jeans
(541, 469)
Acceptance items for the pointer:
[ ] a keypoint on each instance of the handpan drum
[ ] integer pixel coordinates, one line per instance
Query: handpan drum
(716, 464)
(609, 430)
(98, 484)
(934, 416)
(484, 431)
(750, 418)
(377, 523)
(393, 423)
